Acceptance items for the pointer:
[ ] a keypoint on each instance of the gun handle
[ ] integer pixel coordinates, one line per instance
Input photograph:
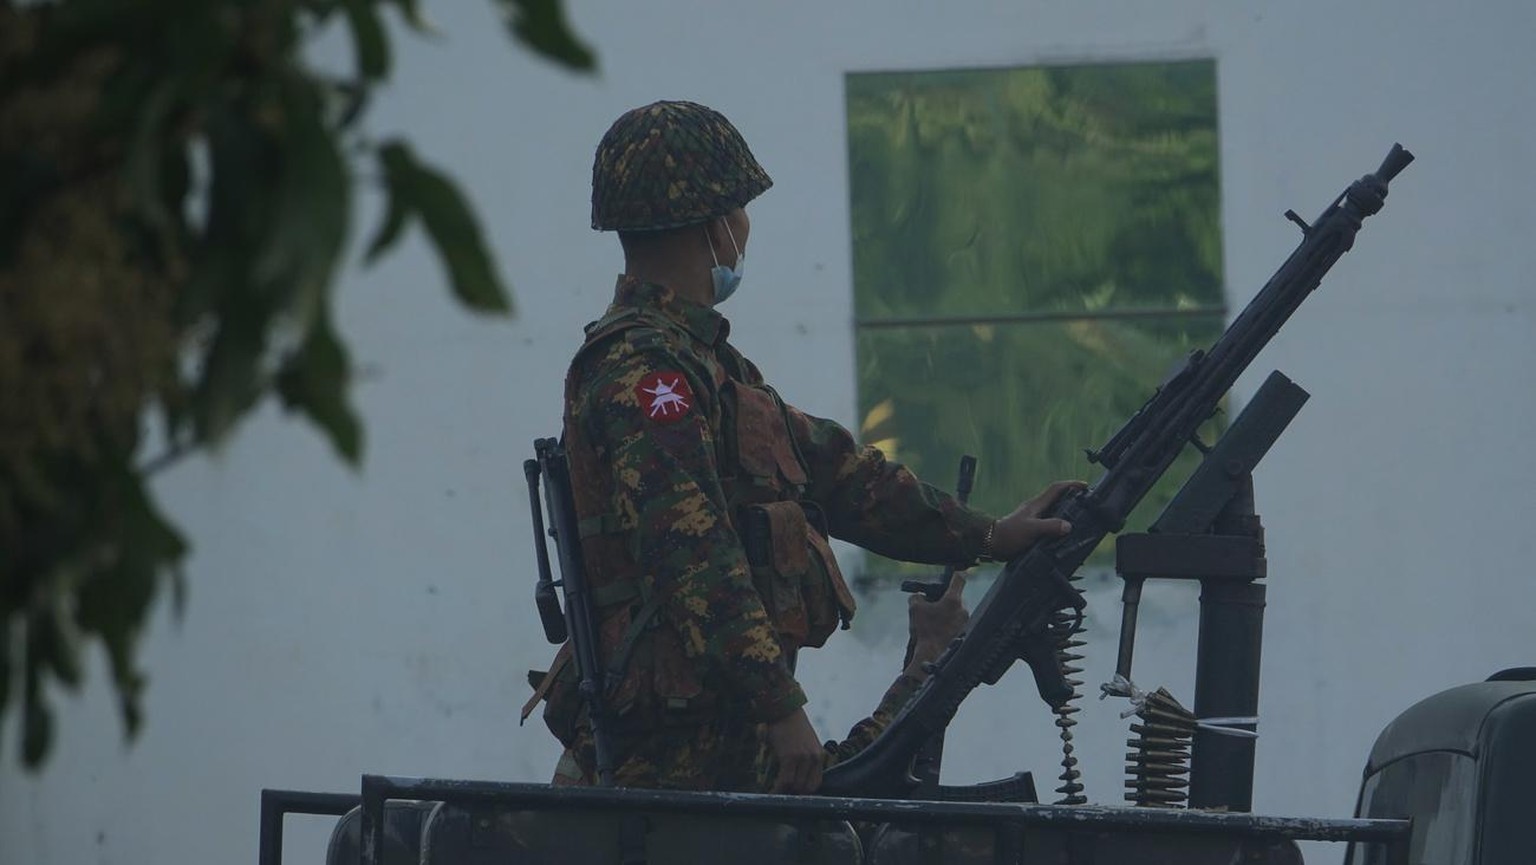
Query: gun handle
(912, 587)
(1039, 652)
(931, 590)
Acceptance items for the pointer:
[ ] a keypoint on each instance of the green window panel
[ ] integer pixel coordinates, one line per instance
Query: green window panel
(1033, 250)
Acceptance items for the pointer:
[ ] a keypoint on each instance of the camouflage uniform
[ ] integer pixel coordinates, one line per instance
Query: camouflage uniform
(704, 502)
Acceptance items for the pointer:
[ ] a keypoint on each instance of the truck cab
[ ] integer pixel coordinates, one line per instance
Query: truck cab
(1462, 765)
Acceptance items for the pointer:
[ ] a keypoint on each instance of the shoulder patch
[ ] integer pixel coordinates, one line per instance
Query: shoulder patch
(665, 396)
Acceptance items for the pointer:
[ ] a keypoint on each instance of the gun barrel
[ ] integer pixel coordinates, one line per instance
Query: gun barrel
(1397, 159)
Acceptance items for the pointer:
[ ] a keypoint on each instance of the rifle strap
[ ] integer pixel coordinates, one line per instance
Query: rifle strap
(562, 658)
(642, 621)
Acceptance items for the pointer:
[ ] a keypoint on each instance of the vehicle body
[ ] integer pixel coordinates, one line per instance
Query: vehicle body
(1450, 781)
(1462, 766)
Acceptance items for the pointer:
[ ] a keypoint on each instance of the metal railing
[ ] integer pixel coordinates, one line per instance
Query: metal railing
(277, 804)
(1008, 821)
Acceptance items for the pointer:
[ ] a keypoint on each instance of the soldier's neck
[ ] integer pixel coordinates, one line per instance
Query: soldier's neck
(689, 279)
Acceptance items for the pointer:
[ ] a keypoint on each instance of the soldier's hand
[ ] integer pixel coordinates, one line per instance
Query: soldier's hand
(799, 753)
(1019, 530)
(933, 624)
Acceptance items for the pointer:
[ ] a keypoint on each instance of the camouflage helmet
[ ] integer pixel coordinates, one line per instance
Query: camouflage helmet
(670, 164)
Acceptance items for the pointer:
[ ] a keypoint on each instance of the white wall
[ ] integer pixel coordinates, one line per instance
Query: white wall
(341, 623)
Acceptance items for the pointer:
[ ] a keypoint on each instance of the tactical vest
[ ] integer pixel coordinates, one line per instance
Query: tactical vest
(764, 477)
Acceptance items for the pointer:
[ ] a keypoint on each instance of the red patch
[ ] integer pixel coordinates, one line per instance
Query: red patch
(665, 396)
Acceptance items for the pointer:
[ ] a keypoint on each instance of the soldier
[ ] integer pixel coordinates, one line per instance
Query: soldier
(705, 501)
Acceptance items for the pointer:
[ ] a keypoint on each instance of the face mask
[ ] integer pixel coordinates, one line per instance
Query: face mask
(726, 279)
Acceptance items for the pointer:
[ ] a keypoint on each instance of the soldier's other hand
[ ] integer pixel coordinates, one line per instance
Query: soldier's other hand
(799, 753)
(1019, 530)
(933, 624)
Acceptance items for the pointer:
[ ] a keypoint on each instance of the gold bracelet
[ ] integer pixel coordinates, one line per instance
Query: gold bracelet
(986, 544)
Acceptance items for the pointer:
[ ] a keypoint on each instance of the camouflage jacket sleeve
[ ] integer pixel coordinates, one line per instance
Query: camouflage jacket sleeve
(881, 505)
(667, 492)
(867, 730)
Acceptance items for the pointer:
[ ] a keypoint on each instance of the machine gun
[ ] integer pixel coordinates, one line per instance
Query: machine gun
(1020, 616)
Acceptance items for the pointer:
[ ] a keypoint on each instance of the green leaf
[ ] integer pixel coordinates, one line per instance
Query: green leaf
(114, 601)
(314, 381)
(5, 661)
(410, 10)
(541, 25)
(450, 224)
(56, 645)
(36, 723)
(146, 158)
(231, 381)
(130, 682)
(175, 183)
(152, 549)
(222, 293)
(310, 206)
(369, 39)
(172, 402)
(27, 178)
(397, 213)
(36, 714)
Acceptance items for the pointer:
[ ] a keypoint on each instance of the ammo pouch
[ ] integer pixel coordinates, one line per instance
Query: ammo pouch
(795, 572)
